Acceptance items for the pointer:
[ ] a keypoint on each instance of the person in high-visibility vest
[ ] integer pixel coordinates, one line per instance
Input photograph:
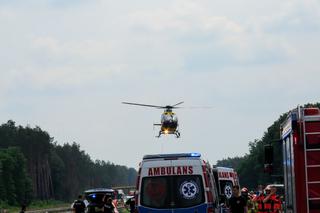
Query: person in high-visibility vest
(272, 202)
(251, 204)
(258, 200)
(260, 205)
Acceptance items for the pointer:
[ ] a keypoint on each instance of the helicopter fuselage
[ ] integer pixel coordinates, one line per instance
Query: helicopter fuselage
(169, 123)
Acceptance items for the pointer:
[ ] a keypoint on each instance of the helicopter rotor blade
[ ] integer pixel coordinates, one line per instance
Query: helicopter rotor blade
(173, 106)
(199, 107)
(146, 105)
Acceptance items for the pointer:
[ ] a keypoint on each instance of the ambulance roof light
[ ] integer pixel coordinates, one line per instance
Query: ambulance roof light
(195, 154)
(174, 155)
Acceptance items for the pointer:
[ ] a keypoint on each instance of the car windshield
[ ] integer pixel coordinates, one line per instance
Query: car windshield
(172, 191)
(96, 198)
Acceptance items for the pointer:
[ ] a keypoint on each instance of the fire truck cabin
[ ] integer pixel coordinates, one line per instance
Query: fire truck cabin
(300, 134)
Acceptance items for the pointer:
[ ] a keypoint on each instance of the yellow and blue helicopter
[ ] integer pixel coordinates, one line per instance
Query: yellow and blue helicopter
(169, 120)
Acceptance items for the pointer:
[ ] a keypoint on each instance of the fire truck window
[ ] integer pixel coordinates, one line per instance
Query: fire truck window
(288, 171)
(268, 154)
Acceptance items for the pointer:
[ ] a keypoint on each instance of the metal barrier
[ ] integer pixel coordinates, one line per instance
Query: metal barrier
(53, 210)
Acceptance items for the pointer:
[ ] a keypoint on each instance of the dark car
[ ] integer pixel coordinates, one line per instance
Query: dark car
(95, 198)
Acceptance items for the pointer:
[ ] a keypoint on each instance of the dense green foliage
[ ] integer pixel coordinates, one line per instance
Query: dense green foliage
(250, 167)
(15, 185)
(33, 167)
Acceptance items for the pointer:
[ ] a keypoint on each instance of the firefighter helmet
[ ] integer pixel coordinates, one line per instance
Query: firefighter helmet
(244, 189)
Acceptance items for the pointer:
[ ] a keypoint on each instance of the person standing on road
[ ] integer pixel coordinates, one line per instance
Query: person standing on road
(251, 204)
(245, 193)
(78, 205)
(237, 203)
(109, 206)
(271, 202)
(248, 197)
(23, 208)
(259, 200)
(131, 203)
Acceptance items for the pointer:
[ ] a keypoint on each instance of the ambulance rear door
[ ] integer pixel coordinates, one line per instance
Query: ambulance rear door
(187, 187)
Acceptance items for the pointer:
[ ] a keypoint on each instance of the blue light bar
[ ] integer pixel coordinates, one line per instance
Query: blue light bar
(195, 154)
(174, 155)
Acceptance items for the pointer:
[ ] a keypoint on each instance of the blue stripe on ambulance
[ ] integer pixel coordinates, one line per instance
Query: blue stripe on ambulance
(200, 209)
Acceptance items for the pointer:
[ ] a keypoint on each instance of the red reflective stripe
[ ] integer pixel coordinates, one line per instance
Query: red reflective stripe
(210, 197)
(277, 205)
(261, 204)
(210, 210)
(137, 186)
(204, 171)
(267, 206)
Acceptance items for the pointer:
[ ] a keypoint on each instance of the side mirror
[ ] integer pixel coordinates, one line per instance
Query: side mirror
(268, 158)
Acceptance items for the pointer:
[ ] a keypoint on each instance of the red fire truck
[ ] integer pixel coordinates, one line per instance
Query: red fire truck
(300, 136)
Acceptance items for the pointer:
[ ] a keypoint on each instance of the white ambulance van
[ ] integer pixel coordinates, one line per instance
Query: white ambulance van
(225, 179)
(174, 183)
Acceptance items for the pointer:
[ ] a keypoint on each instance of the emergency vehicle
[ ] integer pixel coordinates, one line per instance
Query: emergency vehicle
(94, 199)
(225, 179)
(174, 183)
(300, 136)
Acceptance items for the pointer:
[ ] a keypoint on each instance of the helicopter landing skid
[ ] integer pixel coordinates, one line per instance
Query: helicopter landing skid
(177, 134)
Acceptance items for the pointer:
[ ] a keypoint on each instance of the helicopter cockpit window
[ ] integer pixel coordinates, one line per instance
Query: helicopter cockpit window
(165, 117)
(175, 118)
(169, 117)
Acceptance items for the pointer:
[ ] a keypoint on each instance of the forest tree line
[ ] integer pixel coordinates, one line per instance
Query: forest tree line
(34, 167)
(250, 167)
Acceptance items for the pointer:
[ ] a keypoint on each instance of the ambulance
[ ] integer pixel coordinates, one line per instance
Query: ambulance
(225, 179)
(174, 183)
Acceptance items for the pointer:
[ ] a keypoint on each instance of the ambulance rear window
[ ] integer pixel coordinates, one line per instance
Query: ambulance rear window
(172, 191)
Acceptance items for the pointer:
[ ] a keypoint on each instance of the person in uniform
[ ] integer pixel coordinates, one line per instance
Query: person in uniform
(78, 205)
(131, 204)
(272, 202)
(23, 208)
(109, 207)
(237, 203)
(258, 200)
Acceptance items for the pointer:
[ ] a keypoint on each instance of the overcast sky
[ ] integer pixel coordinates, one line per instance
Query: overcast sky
(66, 66)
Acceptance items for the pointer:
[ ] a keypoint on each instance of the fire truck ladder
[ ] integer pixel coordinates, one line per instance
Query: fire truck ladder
(312, 162)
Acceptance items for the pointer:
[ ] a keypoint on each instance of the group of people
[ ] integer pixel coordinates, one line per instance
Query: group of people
(79, 205)
(265, 201)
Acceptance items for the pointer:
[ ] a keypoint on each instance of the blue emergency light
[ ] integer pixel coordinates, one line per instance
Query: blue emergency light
(174, 155)
(195, 154)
